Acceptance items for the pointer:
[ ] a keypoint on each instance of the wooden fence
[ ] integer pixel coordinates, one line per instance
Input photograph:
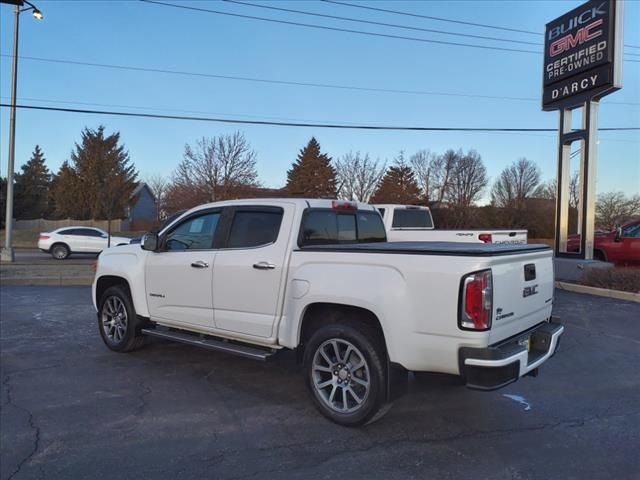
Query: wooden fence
(43, 225)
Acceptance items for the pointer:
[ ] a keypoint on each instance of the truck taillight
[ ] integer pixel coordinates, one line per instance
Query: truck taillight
(485, 237)
(343, 205)
(476, 301)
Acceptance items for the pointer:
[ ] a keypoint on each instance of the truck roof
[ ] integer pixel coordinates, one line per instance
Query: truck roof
(302, 202)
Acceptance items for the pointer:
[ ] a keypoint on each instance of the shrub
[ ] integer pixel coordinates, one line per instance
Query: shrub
(626, 279)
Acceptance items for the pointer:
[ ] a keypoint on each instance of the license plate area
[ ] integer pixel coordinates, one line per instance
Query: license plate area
(525, 342)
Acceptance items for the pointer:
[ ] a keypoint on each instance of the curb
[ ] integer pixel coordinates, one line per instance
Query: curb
(42, 281)
(601, 292)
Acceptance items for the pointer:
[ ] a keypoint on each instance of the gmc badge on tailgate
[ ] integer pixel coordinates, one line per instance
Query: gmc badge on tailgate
(528, 291)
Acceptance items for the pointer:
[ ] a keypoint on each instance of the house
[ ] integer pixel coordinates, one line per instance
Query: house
(142, 211)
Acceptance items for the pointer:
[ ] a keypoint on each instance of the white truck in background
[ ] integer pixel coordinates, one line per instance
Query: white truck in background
(412, 223)
(255, 277)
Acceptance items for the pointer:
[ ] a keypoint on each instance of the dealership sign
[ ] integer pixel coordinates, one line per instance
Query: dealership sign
(582, 55)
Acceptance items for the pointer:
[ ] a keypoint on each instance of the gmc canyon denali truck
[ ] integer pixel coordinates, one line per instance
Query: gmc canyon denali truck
(253, 277)
(412, 223)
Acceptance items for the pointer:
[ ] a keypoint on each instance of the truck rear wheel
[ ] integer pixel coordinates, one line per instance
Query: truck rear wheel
(117, 320)
(346, 374)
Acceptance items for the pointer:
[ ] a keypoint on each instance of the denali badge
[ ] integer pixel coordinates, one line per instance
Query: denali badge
(528, 291)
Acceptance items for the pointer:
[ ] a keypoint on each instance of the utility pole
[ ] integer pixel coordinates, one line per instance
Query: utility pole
(7, 255)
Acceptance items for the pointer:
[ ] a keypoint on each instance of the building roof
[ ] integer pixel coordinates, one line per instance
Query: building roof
(141, 186)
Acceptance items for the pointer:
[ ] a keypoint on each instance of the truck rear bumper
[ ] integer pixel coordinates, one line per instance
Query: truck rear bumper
(498, 365)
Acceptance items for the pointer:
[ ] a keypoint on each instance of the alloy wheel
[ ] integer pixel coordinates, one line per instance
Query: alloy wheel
(114, 319)
(340, 375)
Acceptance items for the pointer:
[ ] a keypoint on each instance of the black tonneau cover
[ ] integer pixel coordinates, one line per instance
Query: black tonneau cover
(431, 248)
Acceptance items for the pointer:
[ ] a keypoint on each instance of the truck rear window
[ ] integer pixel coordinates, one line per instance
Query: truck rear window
(326, 227)
(411, 218)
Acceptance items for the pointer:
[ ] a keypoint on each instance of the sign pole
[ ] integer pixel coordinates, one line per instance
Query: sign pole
(588, 181)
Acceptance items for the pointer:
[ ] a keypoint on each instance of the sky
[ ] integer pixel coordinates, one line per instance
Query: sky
(133, 33)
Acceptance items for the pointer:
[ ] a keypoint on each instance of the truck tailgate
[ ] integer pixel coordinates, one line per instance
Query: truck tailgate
(522, 293)
(509, 236)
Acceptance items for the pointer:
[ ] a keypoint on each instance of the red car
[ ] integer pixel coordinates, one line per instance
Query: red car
(621, 246)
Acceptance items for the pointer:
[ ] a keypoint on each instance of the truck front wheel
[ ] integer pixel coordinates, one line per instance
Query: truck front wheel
(117, 320)
(346, 375)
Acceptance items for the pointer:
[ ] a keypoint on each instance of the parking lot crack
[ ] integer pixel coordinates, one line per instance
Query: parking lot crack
(32, 425)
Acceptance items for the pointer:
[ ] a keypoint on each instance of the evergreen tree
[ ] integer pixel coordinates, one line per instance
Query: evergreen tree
(312, 174)
(65, 193)
(398, 185)
(32, 187)
(98, 180)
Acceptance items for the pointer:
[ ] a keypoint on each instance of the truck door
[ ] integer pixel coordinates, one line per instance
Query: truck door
(629, 253)
(179, 276)
(248, 274)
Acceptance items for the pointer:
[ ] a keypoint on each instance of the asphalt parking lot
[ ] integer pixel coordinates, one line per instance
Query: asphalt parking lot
(73, 409)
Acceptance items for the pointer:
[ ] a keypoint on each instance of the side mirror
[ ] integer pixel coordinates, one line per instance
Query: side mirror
(150, 242)
(618, 234)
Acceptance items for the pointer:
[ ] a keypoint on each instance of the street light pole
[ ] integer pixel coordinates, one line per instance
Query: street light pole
(6, 254)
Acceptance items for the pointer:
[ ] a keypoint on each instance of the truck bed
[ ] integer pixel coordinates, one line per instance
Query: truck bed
(432, 248)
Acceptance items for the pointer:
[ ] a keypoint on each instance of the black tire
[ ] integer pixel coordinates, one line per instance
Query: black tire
(60, 251)
(368, 348)
(114, 307)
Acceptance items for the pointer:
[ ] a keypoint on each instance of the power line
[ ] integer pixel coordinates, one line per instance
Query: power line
(337, 29)
(371, 22)
(347, 30)
(441, 19)
(266, 80)
(296, 124)
(286, 82)
(428, 17)
(160, 109)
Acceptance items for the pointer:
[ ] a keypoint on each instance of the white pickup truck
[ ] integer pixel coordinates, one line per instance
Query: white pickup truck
(411, 223)
(254, 277)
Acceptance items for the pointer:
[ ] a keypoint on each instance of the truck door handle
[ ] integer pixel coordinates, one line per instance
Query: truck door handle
(200, 264)
(264, 266)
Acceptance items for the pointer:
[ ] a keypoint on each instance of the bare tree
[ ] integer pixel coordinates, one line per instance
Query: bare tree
(358, 176)
(443, 167)
(218, 166)
(467, 180)
(427, 167)
(549, 189)
(516, 183)
(159, 186)
(613, 208)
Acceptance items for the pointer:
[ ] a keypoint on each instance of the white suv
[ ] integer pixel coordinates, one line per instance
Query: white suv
(64, 241)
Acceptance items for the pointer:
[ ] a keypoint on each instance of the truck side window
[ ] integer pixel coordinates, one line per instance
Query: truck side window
(195, 233)
(632, 231)
(381, 210)
(254, 228)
